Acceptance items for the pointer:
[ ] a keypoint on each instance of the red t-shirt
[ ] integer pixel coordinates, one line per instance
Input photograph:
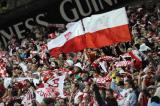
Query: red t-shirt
(41, 86)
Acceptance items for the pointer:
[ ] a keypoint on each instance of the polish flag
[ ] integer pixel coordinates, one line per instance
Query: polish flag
(100, 30)
(136, 56)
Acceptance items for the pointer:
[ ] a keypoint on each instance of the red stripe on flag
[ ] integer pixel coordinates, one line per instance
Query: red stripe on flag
(108, 36)
(137, 62)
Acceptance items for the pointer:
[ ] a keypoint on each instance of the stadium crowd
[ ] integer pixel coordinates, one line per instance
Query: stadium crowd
(124, 74)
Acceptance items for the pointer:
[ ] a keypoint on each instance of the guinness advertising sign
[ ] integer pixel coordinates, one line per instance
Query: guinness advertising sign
(43, 12)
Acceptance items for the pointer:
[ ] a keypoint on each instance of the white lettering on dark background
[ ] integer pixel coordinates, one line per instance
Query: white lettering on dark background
(80, 9)
(20, 28)
(76, 11)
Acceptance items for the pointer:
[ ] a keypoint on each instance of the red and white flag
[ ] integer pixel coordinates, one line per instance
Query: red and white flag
(100, 30)
(42, 93)
(135, 55)
(28, 98)
(58, 82)
(123, 63)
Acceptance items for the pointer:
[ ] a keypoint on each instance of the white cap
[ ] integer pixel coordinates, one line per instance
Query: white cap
(79, 65)
(70, 62)
(121, 71)
(36, 81)
(143, 48)
(139, 9)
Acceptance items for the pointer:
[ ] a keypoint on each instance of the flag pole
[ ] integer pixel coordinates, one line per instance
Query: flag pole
(83, 25)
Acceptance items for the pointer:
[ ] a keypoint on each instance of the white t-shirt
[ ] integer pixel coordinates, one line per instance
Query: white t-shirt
(7, 82)
(76, 97)
(23, 66)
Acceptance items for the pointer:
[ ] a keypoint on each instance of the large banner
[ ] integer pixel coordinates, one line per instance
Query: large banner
(17, 22)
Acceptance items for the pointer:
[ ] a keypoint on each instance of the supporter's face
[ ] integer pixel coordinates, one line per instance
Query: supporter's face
(150, 65)
(61, 102)
(151, 91)
(142, 40)
(53, 64)
(95, 75)
(86, 83)
(108, 94)
(1, 60)
(28, 84)
(68, 56)
(79, 99)
(135, 82)
(34, 67)
(76, 69)
(22, 75)
(60, 56)
(126, 85)
(34, 60)
(120, 88)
